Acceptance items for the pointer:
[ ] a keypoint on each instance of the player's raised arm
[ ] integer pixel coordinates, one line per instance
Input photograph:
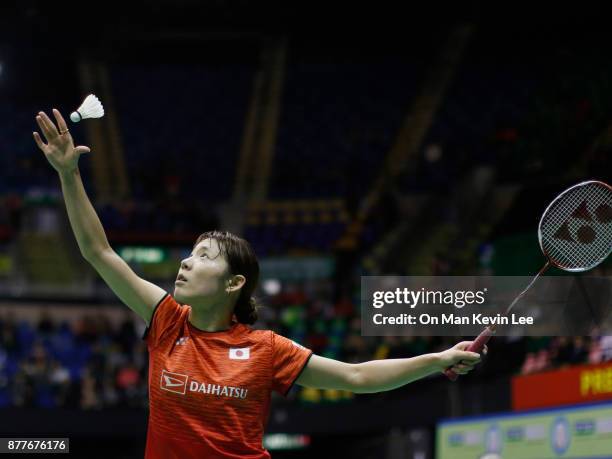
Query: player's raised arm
(138, 294)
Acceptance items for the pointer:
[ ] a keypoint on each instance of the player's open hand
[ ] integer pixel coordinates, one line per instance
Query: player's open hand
(59, 149)
(459, 359)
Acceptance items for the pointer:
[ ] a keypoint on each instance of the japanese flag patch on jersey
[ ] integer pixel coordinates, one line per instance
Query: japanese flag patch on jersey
(239, 353)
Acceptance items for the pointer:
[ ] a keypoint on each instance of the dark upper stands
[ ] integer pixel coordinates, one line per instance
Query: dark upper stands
(338, 121)
(182, 126)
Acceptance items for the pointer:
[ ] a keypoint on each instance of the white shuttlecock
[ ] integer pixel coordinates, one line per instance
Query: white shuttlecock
(90, 108)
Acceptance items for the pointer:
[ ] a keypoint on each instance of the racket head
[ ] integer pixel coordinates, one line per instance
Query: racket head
(575, 230)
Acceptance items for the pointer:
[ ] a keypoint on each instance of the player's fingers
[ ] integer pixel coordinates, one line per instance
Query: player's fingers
(48, 127)
(38, 141)
(468, 356)
(49, 124)
(467, 366)
(463, 345)
(41, 125)
(82, 149)
(460, 371)
(463, 366)
(61, 123)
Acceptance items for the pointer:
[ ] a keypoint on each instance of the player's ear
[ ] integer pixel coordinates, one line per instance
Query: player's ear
(235, 283)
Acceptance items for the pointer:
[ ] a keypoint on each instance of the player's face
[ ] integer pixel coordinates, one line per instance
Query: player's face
(203, 275)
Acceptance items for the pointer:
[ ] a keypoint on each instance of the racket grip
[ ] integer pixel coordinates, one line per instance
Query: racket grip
(477, 346)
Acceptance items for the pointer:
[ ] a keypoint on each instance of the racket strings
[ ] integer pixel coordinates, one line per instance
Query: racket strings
(576, 241)
(576, 231)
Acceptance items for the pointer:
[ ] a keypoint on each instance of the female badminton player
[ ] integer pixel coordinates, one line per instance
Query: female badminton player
(210, 374)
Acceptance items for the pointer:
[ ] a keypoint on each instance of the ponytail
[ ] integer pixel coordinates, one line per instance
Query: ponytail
(246, 311)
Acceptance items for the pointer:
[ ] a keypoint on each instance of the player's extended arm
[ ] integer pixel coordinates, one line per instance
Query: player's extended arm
(138, 294)
(383, 375)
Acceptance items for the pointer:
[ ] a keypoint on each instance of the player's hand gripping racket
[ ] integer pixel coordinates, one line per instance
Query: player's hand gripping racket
(575, 234)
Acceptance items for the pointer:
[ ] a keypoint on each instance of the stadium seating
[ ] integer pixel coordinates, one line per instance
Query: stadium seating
(295, 225)
(338, 121)
(196, 155)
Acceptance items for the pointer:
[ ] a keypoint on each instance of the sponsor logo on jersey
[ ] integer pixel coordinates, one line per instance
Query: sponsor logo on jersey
(218, 390)
(181, 384)
(242, 353)
(174, 382)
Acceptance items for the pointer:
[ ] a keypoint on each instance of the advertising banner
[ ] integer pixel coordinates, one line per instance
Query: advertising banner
(575, 432)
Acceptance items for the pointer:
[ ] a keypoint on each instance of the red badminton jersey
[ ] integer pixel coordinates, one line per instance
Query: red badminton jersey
(209, 392)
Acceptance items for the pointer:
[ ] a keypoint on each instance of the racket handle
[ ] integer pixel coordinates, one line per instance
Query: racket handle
(477, 346)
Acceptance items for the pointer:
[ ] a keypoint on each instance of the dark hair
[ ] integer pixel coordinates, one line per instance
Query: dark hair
(241, 259)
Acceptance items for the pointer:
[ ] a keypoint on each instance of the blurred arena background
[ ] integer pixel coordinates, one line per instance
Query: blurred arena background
(341, 140)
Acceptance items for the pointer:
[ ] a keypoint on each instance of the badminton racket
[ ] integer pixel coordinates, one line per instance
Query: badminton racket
(575, 234)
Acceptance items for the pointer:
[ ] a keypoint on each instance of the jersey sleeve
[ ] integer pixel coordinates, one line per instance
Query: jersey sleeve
(288, 361)
(165, 318)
